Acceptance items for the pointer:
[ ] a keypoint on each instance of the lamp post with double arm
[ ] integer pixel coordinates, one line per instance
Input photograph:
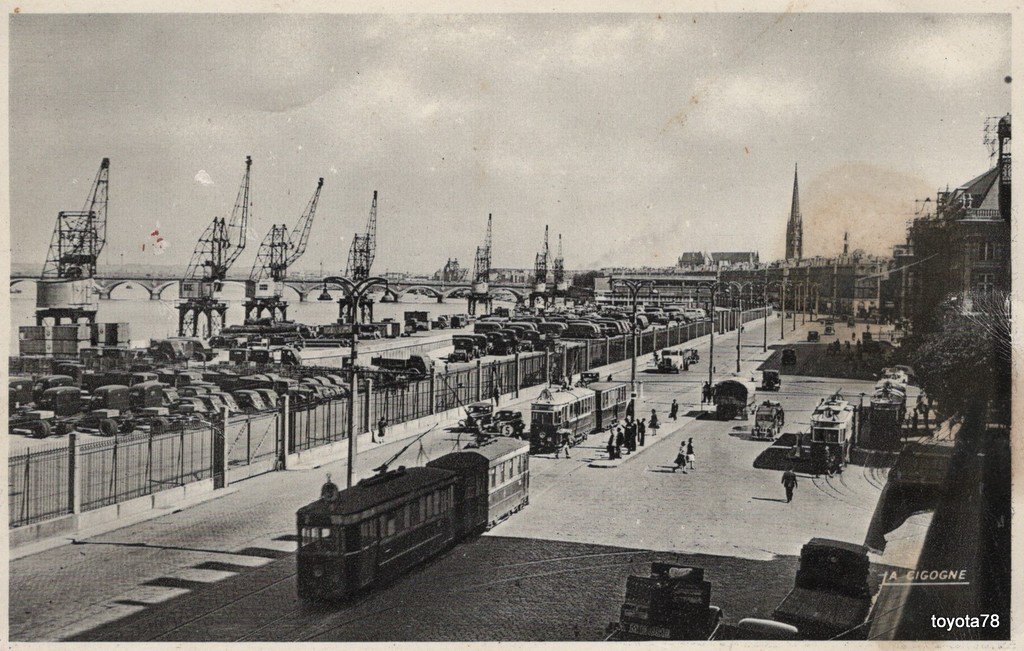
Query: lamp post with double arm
(713, 288)
(634, 287)
(739, 286)
(355, 292)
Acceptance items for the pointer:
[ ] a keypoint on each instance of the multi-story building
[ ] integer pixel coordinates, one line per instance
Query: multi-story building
(959, 253)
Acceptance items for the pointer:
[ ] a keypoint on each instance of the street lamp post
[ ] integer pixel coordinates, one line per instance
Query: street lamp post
(713, 288)
(634, 287)
(357, 290)
(739, 320)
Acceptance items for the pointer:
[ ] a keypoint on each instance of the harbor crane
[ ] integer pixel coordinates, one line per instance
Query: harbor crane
(360, 259)
(480, 293)
(558, 273)
(277, 253)
(540, 274)
(201, 312)
(66, 291)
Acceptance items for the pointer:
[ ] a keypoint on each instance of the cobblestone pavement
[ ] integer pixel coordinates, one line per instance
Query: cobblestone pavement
(725, 516)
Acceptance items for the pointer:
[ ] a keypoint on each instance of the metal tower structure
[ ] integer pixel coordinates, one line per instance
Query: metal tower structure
(481, 294)
(561, 287)
(540, 274)
(360, 259)
(66, 290)
(201, 313)
(277, 253)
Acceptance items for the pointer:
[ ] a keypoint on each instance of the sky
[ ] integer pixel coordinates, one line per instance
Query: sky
(635, 136)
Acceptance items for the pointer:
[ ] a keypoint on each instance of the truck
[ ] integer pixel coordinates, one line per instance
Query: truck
(419, 320)
(673, 603)
(734, 399)
(416, 366)
(831, 596)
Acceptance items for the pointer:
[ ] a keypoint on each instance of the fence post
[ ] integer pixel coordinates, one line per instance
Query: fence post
(479, 381)
(366, 410)
(285, 440)
(433, 395)
(517, 375)
(219, 452)
(74, 476)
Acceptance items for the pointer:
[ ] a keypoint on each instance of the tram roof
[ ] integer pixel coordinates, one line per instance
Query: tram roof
(496, 448)
(562, 396)
(604, 386)
(376, 491)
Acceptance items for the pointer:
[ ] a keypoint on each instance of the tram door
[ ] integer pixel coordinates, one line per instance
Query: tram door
(369, 541)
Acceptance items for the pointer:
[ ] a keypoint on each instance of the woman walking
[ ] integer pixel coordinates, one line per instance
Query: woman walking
(680, 458)
(690, 458)
(653, 424)
(673, 411)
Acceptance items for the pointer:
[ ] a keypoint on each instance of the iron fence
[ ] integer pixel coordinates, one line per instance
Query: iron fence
(37, 485)
(253, 438)
(139, 464)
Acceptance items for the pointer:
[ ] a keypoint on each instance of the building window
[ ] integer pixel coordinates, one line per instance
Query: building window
(989, 251)
(986, 283)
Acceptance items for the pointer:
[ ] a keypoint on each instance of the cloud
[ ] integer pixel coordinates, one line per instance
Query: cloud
(954, 53)
(203, 178)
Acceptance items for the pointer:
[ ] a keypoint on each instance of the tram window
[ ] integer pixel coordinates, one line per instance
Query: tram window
(494, 477)
(368, 532)
(423, 509)
(390, 524)
(314, 535)
(502, 473)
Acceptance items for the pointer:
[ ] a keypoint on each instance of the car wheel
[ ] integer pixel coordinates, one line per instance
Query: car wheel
(41, 429)
(108, 427)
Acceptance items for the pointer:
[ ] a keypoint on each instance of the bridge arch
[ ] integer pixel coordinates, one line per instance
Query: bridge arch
(420, 289)
(458, 292)
(520, 297)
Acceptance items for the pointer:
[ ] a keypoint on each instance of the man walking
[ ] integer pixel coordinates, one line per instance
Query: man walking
(690, 458)
(564, 447)
(641, 429)
(789, 482)
(673, 411)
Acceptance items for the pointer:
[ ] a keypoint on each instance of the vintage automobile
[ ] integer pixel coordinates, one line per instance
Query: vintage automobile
(673, 603)
(734, 399)
(478, 416)
(830, 330)
(788, 357)
(768, 421)
(506, 422)
(770, 380)
(813, 335)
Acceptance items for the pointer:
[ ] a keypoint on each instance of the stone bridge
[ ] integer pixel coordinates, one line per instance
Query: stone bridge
(303, 287)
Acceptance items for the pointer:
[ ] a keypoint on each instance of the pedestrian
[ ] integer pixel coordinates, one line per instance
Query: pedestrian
(616, 408)
(690, 457)
(381, 425)
(630, 439)
(789, 482)
(611, 446)
(496, 394)
(653, 423)
(913, 421)
(680, 458)
(564, 447)
(673, 411)
(641, 429)
(610, 380)
(620, 438)
(655, 358)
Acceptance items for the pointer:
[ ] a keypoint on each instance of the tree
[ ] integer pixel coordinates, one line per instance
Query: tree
(965, 364)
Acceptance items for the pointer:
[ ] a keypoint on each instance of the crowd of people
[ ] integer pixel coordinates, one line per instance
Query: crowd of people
(631, 434)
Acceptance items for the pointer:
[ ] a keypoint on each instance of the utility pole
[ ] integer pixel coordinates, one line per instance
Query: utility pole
(356, 292)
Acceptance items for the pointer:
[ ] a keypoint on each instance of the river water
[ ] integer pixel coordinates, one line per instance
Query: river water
(156, 319)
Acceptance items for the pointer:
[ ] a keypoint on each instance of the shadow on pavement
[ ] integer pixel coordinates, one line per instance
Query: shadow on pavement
(487, 588)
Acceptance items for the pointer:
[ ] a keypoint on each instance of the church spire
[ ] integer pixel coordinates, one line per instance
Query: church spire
(795, 229)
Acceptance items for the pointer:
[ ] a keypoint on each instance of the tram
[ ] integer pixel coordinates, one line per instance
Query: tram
(611, 400)
(832, 425)
(494, 482)
(351, 540)
(562, 415)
